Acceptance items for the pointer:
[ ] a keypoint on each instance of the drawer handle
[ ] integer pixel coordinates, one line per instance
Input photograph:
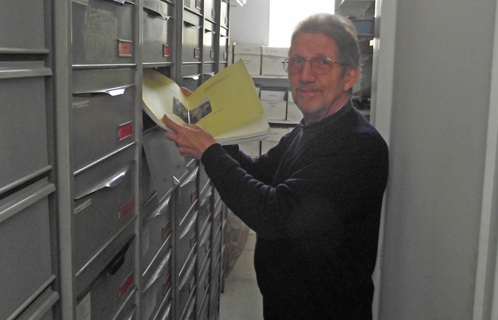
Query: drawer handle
(191, 25)
(156, 13)
(210, 74)
(116, 91)
(190, 178)
(189, 272)
(190, 226)
(110, 182)
(122, 2)
(161, 209)
(158, 271)
(210, 31)
(192, 77)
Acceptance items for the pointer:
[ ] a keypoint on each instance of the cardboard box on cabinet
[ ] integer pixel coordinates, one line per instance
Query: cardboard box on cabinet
(271, 61)
(251, 55)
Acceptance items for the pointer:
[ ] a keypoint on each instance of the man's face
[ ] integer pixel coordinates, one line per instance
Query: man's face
(319, 95)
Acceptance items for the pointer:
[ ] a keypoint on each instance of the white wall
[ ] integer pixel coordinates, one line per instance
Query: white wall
(437, 135)
(250, 23)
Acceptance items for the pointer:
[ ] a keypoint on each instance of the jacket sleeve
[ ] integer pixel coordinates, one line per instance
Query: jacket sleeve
(301, 206)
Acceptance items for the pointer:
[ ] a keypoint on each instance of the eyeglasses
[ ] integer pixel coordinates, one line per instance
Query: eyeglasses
(319, 65)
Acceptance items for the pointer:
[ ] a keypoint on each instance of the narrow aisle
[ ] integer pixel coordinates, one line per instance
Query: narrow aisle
(241, 299)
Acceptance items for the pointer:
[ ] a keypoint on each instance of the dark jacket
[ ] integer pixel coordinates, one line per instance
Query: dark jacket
(314, 202)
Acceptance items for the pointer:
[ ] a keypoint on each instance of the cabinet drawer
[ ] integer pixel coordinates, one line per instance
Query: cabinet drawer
(224, 45)
(186, 240)
(210, 39)
(186, 288)
(224, 13)
(41, 308)
(103, 204)
(194, 5)
(187, 194)
(166, 164)
(210, 9)
(23, 100)
(158, 31)
(203, 283)
(204, 246)
(102, 32)
(22, 26)
(191, 76)
(157, 285)
(204, 211)
(103, 113)
(156, 230)
(108, 281)
(25, 257)
(192, 28)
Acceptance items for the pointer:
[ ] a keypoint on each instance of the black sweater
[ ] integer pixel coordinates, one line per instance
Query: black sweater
(314, 202)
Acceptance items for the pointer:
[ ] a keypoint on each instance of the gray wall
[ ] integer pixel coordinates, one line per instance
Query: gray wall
(440, 104)
(250, 24)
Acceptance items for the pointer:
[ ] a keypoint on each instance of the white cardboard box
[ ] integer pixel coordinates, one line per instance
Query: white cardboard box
(251, 148)
(275, 135)
(275, 110)
(293, 112)
(272, 95)
(271, 61)
(251, 55)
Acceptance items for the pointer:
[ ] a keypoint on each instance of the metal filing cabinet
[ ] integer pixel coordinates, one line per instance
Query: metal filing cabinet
(27, 188)
(82, 214)
(192, 37)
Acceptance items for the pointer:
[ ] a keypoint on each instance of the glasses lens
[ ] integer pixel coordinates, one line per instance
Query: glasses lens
(294, 65)
(321, 65)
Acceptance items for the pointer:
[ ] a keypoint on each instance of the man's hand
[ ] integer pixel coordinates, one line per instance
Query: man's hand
(191, 140)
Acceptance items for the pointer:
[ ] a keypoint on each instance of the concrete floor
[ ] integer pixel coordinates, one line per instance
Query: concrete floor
(241, 299)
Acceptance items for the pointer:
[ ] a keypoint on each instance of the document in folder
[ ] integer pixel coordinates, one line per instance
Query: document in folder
(226, 105)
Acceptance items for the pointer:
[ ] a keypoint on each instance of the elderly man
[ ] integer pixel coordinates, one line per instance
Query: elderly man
(314, 200)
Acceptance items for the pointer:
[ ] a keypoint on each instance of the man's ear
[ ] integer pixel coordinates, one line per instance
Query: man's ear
(350, 77)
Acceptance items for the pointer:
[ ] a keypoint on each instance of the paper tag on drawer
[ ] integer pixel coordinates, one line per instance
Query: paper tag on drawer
(126, 285)
(166, 284)
(125, 130)
(124, 48)
(126, 209)
(167, 50)
(84, 308)
(166, 228)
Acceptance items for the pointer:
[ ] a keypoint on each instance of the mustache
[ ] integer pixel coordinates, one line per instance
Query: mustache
(307, 86)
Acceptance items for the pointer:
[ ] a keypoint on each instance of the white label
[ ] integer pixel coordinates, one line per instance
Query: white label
(84, 309)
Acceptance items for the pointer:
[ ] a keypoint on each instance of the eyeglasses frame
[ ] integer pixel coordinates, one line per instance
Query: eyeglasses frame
(285, 65)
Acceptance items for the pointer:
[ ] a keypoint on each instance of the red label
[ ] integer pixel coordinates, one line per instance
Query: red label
(127, 208)
(166, 228)
(125, 130)
(197, 53)
(213, 13)
(126, 285)
(167, 50)
(193, 196)
(124, 48)
(192, 240)
(212, 54)
(166, 284)
(208, 209)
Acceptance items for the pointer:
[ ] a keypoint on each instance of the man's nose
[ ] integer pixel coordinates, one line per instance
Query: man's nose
(307, 74)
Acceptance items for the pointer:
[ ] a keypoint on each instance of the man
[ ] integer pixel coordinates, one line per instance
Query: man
(314, 200)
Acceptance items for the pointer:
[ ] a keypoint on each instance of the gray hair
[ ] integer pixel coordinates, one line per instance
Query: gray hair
(339, 29)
